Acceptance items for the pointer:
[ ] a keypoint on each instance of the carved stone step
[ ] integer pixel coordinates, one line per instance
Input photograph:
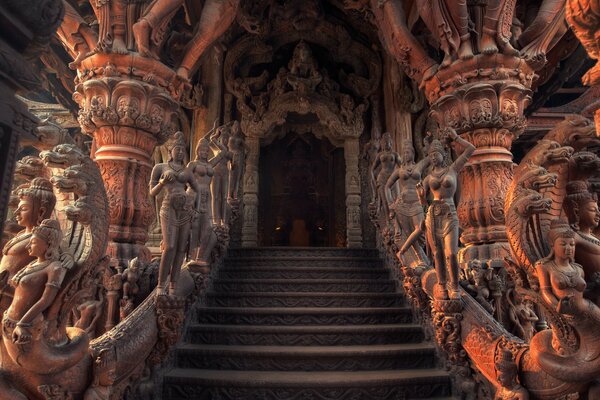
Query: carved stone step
(290, 262)
(306, 358)
(182, 383)
(267, 252)
(305, 335)
(303, 285)
(294, 299)
(311, 272)
(304, 316)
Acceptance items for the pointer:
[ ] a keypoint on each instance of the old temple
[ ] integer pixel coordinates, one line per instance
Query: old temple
(300, 199)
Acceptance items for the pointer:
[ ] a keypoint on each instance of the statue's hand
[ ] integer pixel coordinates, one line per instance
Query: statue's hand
(21, 335)
(391, 215)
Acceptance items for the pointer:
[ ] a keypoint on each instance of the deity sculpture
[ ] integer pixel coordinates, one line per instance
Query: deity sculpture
(448, 21)
(219, 187)
(202, 238)
(74, 30)
(442, 221)
(216, 17)
(507, 374)
(581, 208)
(24, 325)
(36, 203)
(382, 168)
(238, 148)
(407, 212)
(176, 211)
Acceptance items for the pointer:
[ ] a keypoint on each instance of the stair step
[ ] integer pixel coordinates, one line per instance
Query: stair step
(304, 316)
(303, 285)
(314, 261)
(303, 272)
(298, 299)
(306, 358)
(182, 383)
(305, 335)
(267, 252)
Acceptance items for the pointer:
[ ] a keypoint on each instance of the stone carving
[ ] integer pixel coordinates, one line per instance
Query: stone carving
(508, 371)
(584, 18)
(176, 211)
(442, 220)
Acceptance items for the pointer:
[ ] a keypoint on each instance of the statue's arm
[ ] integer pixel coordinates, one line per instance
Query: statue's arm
(156, 183)
(469, 149)
(388, 185)
(423, 165)
(546, 285)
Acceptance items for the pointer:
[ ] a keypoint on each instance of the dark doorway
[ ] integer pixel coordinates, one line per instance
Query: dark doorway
(301, 196)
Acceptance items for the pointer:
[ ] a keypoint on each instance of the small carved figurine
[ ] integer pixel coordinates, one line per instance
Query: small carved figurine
(175, 212)
(238, 148)
(219, 186)
(507, 373)
(442, 220)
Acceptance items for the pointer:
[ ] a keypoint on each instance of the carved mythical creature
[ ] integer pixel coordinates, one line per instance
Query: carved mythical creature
(176, 211)
(407, 212)
(216, 17)
(584, 18)
(442, 220)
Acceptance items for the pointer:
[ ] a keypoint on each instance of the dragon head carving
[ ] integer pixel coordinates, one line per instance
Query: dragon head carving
(29, 167)
(63, 156)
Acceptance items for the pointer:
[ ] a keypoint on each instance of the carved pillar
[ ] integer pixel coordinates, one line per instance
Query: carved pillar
(127, 118)
(250, 223)
(353, 219)
(487, 112)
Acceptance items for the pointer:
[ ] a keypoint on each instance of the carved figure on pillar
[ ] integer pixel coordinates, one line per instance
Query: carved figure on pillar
(217, 16)
(442, 220)
(507, 374)
(176, 211)
(237, 147)
(382, 168)
(407, 212)
(219, 187)
(203, 238)
(36, 203)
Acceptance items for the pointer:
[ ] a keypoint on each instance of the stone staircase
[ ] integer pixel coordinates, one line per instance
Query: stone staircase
(305, 324)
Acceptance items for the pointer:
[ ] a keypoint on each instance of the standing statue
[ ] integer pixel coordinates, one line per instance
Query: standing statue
(36, 203)
(203, 238)
(407, 212)
(219, 187)
(382, 168)
(448, 21)
(36, 287)
(176, 211)
(238, 148)
(507, 374)
(216, 17)
(442, 221)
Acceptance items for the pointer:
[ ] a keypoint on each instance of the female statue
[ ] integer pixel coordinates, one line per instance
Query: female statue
(202, 237)
(36, 203)
(442, 221)
(237, 145)
(581, 208)
(406, 211)
(219, 187)
(35, 289)
(176, 211)
(382, 168)
(562, 281)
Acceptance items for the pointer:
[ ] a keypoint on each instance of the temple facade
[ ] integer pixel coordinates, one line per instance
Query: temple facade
(300, 199)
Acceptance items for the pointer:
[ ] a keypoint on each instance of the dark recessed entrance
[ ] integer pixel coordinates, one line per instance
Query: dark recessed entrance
(302, 193)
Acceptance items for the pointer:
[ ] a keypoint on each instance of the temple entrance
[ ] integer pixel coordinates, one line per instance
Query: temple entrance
(301, 195)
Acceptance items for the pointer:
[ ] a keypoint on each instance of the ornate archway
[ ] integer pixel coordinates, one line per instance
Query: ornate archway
(303, 90)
